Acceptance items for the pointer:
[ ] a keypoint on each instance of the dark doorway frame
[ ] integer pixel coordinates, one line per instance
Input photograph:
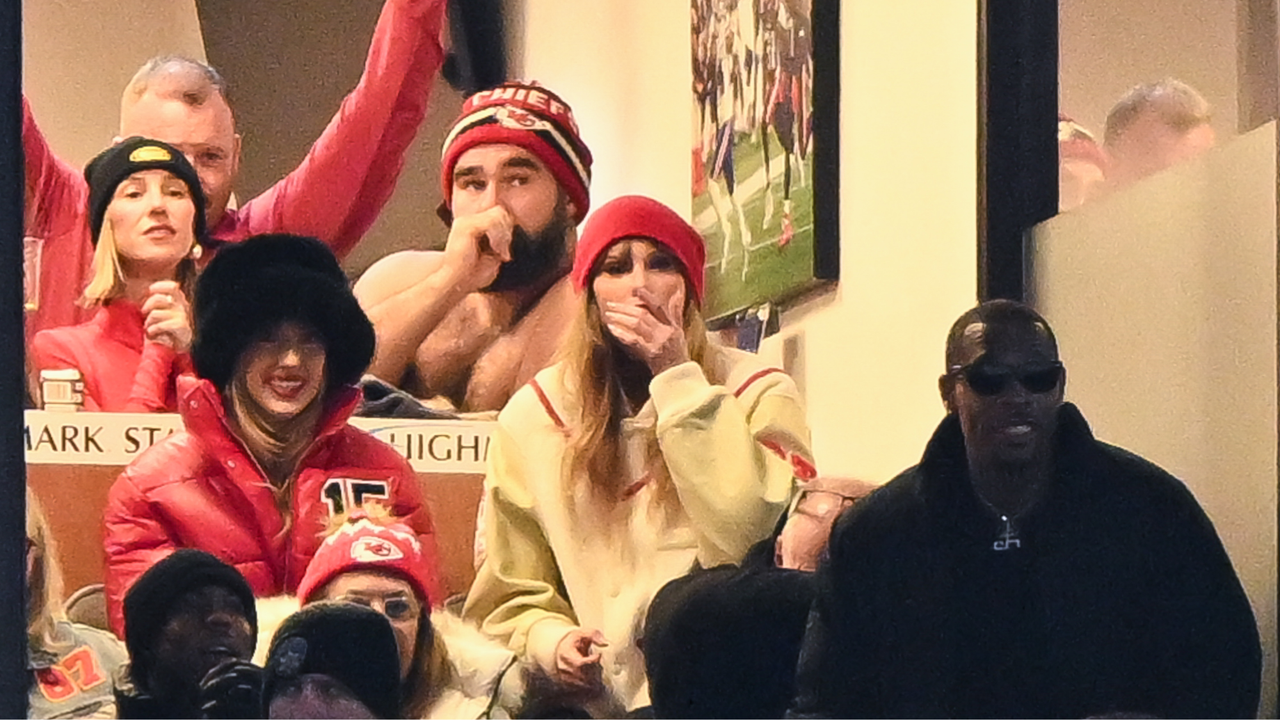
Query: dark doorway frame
(1017, 137)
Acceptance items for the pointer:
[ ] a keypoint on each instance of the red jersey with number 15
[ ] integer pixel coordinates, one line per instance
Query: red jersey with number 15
(201, 488)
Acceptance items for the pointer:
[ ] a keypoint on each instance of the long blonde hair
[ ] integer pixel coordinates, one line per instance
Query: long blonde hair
(44, 587)
(106, 283)
(592, 359)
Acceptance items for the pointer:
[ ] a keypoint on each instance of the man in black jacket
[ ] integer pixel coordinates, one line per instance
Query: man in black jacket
(1025, 569)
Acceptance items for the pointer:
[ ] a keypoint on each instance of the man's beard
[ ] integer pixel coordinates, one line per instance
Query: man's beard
(535, 257)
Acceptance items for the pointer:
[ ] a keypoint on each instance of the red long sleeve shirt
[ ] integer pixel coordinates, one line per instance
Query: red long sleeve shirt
(122, 372)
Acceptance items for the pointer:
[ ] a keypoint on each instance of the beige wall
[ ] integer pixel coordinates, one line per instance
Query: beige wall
(78, 55)
(287, 78)
(1186, 374)
(868, 354)
(1107, 47)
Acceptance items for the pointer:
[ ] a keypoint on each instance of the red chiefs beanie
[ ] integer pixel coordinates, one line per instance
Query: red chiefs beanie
(636, 216)
(362, 544)
(526, 115)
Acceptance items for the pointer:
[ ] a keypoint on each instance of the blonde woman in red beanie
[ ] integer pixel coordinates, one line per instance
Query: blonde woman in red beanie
(646, 451)
(447, 668)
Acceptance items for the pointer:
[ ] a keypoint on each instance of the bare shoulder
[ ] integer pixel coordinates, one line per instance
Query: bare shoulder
(394, 273)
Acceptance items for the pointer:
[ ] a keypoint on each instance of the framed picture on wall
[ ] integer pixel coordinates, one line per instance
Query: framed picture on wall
(765, 151)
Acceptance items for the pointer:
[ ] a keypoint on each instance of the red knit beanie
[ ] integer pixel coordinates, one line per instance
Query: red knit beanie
(636, 216)
(362, 544)
(529, 116)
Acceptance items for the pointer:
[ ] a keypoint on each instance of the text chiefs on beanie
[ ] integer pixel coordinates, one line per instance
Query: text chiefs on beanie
(528, 116)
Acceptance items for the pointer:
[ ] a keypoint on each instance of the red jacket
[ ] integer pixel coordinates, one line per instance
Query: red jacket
(122, 372)
(335, 194)
(200, 488)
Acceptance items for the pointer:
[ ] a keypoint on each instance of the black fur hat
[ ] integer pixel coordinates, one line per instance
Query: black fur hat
(350, 643)
(251, 287)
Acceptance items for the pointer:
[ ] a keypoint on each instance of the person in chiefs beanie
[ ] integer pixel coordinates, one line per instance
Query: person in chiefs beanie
(468, 326)
(447, 668)
(332, 659)
(646, 451)
(266, 455)
(185, 615)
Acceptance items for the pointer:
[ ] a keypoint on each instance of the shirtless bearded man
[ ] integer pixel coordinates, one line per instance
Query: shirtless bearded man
(473, 323)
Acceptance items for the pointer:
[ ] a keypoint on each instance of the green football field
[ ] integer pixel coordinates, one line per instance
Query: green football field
(772, 272)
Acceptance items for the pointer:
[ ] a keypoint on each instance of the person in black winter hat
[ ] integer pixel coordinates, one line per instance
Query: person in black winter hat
(267, 456)
(146, 214)
(188, 614)
(250, 289)
(333, 659)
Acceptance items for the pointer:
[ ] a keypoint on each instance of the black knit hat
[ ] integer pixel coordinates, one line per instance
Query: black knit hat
(724, 642)
(105, 172)
(249, 288)
(350, 643)
(148, 602)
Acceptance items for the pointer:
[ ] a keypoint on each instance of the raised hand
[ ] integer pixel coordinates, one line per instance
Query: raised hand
(167, 316)
(232, 689)
(477, 246)
(654, 332)
(578, 660)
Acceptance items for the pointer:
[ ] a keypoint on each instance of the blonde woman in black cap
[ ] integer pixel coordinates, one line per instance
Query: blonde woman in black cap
(146, 212)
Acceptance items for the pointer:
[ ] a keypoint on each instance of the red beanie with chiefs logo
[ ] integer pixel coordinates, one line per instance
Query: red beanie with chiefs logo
(529, 116)
(362, 544)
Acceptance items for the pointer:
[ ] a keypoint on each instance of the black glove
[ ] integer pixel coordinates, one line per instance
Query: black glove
(232, 689)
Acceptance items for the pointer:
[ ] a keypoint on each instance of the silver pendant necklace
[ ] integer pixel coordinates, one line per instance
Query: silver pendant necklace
(1008, 537)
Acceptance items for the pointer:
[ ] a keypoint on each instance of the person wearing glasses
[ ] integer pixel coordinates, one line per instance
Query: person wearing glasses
(746, 621)
(266, 456)
(1024, 568)
(448, 669)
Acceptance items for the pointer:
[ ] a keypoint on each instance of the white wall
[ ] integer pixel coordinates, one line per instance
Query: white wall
(868, 354)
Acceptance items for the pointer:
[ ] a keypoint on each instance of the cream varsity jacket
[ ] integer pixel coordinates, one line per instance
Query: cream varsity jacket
(710, 460)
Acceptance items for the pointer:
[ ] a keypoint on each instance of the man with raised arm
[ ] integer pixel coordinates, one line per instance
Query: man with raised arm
(471, 324)
(335, 194)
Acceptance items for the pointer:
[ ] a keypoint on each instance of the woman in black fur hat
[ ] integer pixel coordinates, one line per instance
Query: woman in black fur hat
(267, 455)
(146, 212)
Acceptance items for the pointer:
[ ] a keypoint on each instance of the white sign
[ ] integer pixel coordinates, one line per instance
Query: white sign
(83, 438)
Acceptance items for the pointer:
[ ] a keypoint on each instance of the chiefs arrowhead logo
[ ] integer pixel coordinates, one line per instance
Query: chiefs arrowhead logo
(517, 119)
(374, 549)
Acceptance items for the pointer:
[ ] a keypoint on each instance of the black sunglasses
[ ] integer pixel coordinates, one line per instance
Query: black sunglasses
(991, 380)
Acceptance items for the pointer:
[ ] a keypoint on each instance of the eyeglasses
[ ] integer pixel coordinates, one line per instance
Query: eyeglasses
(987, 380)
(395, 607)
(843, 500)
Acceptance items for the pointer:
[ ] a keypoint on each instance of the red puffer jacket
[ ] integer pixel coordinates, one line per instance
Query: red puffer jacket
(200, 488)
